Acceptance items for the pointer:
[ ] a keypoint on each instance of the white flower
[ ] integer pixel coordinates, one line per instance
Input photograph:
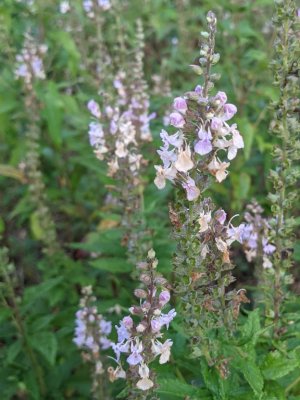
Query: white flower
(267, 263)
(221, 245)
(100, 151)
(218, 169)
(204, 221)
(162, 174)
(204, 251)
(184, 162)
(64, 7)
(145, 383)
(117, 373)
(162, 349)
(121, 150)
(237, 142)
(113, 166)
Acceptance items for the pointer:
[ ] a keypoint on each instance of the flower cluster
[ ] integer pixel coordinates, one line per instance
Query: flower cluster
(202, 134)
(92, 6)
(141, 341)
(215, 234)
(204, 141)
(91, 332)
(202, 146)
(256, 234)
(118, 133)
(30, 61)
(64, 7)
(114, 136)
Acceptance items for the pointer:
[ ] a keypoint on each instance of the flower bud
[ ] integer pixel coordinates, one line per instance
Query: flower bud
(128, 322)
(197, 69)
(220, 216)
(151, 254)
(204, 34)
(160, 280)
(155, 325)
(180, 105)
(145, 279)
(140, 293)
(177, 120)
(164, 297)
(142, 265)
(141, 328)
(135, 310)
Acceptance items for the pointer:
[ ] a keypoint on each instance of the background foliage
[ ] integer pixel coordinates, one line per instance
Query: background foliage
(48, 288)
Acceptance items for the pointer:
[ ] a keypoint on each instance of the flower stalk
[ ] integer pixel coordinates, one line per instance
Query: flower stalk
(139, 334)
(30, 69)
(201, 149)
(9, 301)
(285, 126)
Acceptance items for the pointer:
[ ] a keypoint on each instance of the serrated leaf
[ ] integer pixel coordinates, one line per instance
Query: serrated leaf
(53, 112)
(13, 351)
(123, 393)
(251, 329)
(46, 344)
(33, 293)
(276, 365)
(113, 265)
(252, 375)
(178, 389)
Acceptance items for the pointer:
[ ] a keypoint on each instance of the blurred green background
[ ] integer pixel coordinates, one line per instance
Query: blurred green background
(75, 181)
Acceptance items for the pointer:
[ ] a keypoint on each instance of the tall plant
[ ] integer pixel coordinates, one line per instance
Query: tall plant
(30, 70)
(199, 152)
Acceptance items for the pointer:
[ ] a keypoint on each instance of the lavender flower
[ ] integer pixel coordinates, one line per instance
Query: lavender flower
(91, 334)
(256, 236)
(141, 341)
(206, 138)
(95, 6)
(30, 62)
(206, 145)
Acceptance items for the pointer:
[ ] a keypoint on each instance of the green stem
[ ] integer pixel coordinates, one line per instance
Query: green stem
(16, 315)
(278, 264)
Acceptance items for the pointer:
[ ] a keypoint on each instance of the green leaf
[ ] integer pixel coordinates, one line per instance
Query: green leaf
(297, 251)
(243, 186)
(113, 265)
(123, 393)
(248, 133)
(12, 172)
(46, 344)
(252, 375)
(251, 330)
(13, 351)
(53, 113)
(34, 293)
(180, 390)
(276, 365)
(35, 226)
(2, 225)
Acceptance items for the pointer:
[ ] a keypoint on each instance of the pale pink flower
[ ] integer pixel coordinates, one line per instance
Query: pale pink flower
(191, 189)
(184, 162)
(177, 120)
(180, 105)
